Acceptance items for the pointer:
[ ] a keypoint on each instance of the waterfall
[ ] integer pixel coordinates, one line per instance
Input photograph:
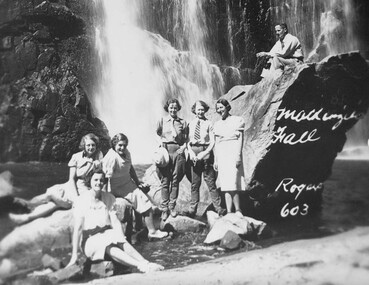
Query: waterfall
(140, 70)
(324, 27)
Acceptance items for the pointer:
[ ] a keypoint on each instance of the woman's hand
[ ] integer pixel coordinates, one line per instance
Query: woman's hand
(238, 163)
(181, 149)
(72, 261)
(201, 155)
(215, 166)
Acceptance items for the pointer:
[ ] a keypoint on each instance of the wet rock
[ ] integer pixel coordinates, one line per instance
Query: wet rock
(65, 274)
(51, 262)
(183, 224)
(28, 240)
(102, 269)
(244, 226)
(231, 241)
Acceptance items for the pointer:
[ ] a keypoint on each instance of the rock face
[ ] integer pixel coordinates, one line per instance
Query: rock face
(46, 72)
(22, 248)
(295, 126)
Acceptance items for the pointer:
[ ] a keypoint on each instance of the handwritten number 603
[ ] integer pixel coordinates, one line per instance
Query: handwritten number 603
(294, 211)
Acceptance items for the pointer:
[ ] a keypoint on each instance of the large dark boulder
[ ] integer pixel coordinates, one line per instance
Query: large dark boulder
(295, 126)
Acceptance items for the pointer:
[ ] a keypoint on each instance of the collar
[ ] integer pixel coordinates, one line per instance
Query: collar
(168, 118)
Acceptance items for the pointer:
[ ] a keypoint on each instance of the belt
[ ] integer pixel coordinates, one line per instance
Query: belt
(167, 143)
(199, 144)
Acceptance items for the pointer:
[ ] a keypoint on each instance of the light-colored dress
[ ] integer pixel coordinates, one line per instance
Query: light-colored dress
(97, 232)
(227, 133)
(121, 185)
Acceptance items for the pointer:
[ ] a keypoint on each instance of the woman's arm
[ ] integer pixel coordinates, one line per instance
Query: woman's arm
(72, 181)
(116, 225)
(239, 147)
(210, 147)
(77, 233)
(134, 177)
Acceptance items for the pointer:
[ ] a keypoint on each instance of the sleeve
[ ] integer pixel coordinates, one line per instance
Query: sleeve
(239, 126)
(108, 164)
(73, 161)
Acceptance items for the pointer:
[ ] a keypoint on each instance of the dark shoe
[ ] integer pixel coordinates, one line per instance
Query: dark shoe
(164, 215)
(222, 212)
(173, 213)
(190, 214)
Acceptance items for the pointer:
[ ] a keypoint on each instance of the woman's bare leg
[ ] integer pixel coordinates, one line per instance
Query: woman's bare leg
(229, 201)
(153, 231)
(39, 211)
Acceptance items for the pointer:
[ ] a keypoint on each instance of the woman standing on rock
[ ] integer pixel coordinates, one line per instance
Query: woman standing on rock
(228, 154)
(200, 150)
(98, 231)
(173, 133)
(125, 186)
(61, 196)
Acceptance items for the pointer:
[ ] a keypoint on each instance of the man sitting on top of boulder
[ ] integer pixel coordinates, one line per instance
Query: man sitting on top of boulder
(286, 51)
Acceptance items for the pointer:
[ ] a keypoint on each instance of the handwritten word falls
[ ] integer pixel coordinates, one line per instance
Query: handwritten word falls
(281, 136)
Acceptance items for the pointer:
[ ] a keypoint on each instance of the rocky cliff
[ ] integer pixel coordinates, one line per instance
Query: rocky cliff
(46, 77)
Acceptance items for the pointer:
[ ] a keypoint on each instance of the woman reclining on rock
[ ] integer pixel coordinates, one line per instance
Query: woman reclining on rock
(98, 232)
(61, 196)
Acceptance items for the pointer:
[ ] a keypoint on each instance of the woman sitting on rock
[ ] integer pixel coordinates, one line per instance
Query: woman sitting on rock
(125, 186)
(61, 196)
(98, 231)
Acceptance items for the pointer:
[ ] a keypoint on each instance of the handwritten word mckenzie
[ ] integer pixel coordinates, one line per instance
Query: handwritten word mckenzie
(287, 185)
(292, 139)
(316, 115)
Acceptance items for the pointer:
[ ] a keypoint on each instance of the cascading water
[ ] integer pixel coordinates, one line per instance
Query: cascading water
(323, 24)
(141, 70)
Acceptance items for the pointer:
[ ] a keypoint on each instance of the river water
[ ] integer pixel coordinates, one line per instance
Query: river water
(345, 206)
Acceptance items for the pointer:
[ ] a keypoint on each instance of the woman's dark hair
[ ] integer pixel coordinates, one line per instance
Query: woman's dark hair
(225, 103)
(89, 136)
(97, 171)
(118, 137)
(171, 101)
(283, 26)
(202, 103)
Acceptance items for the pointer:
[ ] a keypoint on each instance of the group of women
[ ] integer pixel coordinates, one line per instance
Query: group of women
(98, 214)
(209, 148)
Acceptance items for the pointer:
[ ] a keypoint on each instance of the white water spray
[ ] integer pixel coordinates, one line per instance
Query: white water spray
(141, 70)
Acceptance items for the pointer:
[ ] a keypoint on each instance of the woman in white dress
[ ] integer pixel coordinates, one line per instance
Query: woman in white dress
(98, 232)
(229, 131)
